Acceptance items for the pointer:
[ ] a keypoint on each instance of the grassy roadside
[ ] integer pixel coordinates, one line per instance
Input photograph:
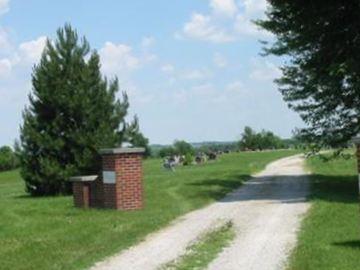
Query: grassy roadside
(201, 253)
(49, 233)
(330, 234)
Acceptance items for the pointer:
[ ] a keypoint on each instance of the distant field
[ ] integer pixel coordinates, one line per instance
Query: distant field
(330, 235)
(49, 233)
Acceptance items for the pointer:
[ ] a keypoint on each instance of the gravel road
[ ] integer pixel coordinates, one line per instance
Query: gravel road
(266, 212)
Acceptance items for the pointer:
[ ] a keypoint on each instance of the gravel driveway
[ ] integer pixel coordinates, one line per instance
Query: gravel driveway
(266, 212)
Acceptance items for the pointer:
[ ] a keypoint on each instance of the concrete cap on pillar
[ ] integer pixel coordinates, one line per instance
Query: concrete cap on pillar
(122, 150)
(83, 178)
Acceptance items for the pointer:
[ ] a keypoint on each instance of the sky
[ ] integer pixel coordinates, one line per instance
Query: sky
(192, 69)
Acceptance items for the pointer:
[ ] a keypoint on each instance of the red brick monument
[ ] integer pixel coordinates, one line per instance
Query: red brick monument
(119, 186)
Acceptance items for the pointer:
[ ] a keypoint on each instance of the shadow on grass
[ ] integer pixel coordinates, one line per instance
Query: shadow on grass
(335, 188)
(29, 197)
(349, 244)
(284, 188)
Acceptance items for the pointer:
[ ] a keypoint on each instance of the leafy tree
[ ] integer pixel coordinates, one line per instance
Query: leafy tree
(8, 160)
(259, 141)
(178, 148)
(183, 148)
(321, 77)
(248, 139)
(167, 151)
(73, 112)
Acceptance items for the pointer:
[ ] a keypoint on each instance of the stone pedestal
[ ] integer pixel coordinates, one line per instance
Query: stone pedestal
(82, 190)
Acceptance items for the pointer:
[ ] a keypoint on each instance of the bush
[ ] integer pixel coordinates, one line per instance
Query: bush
(183, 148)
(189, 158)
(166, 151)
(8, 159)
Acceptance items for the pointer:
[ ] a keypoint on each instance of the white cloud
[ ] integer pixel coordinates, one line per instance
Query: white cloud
(264, 71)
(207, 93)
(195, 74)
(203, 89)
(147, 42)
(202, 27)
(4, 6)
(219, 60)
(167, 68)
(4, 39)
(255, 6)
(30, 52)
(5, 67)
(244, 26)
(224, 7)
(117, 58)
(235, 87)
(234, 24)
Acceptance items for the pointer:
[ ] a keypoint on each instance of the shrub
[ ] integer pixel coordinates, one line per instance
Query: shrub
(189, 158)
(8, 159)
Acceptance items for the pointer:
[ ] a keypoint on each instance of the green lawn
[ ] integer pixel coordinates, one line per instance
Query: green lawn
(201, 253)
(49, 233)
(330, 235)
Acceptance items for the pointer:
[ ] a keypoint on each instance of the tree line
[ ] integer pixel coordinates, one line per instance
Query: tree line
(252, 140)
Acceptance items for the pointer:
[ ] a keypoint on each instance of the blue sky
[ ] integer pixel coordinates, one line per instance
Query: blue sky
(192, 69)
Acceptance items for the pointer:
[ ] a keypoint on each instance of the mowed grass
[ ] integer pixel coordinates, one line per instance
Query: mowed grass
(330, 235)
(49, 233)
(204, 251)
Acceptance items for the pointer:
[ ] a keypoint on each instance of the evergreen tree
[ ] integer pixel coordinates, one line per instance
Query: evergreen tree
(135, 137)
(73, 112)
(321, 77)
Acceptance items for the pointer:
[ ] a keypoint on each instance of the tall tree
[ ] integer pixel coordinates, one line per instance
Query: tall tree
(321, 75)
(73, 112)
(134, 136)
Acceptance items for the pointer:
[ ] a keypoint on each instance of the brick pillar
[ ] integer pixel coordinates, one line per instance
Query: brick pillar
(122, 178)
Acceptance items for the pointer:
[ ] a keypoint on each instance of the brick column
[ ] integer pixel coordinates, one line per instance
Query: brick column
(122, 178)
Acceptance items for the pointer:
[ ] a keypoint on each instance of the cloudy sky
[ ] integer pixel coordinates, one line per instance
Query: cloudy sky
(192, 68)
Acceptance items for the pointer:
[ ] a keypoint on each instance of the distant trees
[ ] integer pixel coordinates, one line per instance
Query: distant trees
(178, 148)
(183, 148)
(218, 147)
(251, 140)
(8, 159)
(73, 112)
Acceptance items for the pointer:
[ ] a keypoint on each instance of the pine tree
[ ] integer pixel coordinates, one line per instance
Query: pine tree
(321, 75)
(73, 112)
(135, 137)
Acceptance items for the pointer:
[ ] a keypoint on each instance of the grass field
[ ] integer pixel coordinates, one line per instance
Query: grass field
(49, 233)
(330, 235)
